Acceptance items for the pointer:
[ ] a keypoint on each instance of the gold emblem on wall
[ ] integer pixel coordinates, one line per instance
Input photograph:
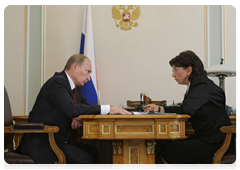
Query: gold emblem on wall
(125, 16)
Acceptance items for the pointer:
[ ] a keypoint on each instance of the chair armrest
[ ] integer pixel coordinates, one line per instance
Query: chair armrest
(30, 128)
(39, 128)
(23, 126)
(220, 152)
(228, 129)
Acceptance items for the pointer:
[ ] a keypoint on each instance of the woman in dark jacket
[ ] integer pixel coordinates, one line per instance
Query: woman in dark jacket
(204, 101)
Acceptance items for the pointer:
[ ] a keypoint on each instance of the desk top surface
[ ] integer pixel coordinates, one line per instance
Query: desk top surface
(125, 116)
(157, 116)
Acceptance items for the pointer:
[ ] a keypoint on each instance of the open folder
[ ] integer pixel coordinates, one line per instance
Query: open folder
(152, 113)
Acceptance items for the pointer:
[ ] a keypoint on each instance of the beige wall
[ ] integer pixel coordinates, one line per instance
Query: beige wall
(128, 62)
(14, 56)
(63, 32)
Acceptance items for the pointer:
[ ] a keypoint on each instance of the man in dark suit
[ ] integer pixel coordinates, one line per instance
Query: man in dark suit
(55, 106)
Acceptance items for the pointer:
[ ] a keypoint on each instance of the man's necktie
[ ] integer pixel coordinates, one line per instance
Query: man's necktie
(74, 95)
(74, 133)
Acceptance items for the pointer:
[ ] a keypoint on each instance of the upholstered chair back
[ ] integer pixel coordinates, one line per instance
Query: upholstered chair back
(8, 121)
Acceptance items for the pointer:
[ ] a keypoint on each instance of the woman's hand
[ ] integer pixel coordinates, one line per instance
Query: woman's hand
(151, 107)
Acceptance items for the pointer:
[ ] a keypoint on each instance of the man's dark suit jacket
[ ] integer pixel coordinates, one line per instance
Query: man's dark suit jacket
(205, 103)
(55, 106)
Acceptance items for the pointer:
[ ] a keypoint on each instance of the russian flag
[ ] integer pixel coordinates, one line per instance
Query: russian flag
(89, 89)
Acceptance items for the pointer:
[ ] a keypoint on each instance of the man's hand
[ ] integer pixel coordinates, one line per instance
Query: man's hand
(118, 110)
(76, 123)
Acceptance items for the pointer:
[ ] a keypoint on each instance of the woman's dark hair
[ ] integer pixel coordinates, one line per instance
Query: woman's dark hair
(189, 58)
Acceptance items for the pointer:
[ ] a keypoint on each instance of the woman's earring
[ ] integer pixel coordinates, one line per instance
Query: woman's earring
(188, 74)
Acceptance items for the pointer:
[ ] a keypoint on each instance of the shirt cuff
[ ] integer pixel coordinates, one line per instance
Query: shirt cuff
(105, 109)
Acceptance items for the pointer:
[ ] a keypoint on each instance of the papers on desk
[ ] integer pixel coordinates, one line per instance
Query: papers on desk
(139, 113)
(152, 113)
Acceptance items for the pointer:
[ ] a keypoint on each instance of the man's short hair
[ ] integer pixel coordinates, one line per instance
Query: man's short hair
(76, 58)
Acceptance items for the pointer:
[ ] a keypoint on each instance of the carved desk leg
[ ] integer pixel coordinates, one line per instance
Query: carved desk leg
(117, 147)
(150, 147)
(117, 152)
(150, 151)
(134, 152)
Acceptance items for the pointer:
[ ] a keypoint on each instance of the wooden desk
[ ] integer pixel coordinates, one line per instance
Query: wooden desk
(134, 135)
(106, 152)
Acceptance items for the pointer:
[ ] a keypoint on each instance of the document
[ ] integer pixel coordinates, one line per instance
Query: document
(152, 113)
(139, 113)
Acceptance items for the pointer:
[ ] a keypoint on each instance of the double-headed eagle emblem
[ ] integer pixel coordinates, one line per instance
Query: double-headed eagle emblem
(126, 16)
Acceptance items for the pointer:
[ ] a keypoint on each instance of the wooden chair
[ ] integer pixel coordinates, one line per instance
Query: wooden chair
(160, 103)
(220, 157)
(11, 156)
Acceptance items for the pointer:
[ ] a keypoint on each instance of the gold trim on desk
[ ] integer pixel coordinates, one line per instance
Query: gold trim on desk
(90, 128)
(179, 128)
(130, 154)
(133, 132)
(160, 130)
(109, 129)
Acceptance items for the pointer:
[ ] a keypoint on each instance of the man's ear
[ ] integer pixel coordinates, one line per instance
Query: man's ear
(74, 66)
